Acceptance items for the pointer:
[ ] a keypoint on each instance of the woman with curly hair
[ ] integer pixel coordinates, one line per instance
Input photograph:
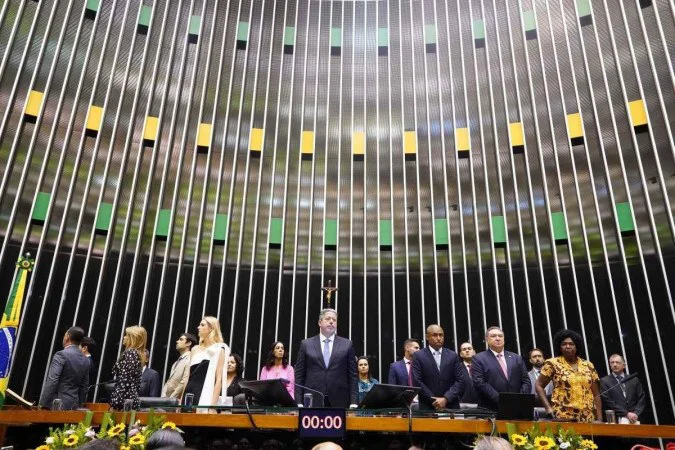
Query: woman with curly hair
(277, 367)
(575, 394)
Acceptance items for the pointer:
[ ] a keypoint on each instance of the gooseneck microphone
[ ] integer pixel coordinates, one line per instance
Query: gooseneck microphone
(314, 391)
(628, 378)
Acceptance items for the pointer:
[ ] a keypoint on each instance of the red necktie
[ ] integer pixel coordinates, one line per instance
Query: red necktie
(468, 367)
(409, 368)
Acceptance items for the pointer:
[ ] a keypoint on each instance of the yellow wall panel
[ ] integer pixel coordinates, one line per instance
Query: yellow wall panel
(359, 143)
(307, 146)
(95, 118)
(151, 128)
(34, 103)
(204, 135)
(517, 138)
(638, 113)
(574, 126)
(409, 142)
(463, 139)
(256, 140)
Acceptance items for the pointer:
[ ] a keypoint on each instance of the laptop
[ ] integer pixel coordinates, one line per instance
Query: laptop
(513, 406)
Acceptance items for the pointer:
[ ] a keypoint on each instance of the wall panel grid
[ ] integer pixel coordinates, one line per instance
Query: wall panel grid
(467, 163)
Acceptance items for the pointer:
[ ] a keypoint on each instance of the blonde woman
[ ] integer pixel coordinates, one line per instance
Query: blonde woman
(129, 368)
(206, 364)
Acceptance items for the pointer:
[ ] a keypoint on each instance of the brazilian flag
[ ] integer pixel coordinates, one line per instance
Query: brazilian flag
(10, 322)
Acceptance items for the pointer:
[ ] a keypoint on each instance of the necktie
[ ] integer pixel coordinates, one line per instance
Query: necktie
(409, 368)
(468, 367)
(326, 351)
(502, 363)
(437, 357)
(623, 386)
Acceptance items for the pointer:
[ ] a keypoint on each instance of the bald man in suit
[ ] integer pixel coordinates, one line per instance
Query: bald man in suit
(439, 372)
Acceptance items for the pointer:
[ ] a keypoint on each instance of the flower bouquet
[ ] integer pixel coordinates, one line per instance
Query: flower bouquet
(132, 437)
(536, 439)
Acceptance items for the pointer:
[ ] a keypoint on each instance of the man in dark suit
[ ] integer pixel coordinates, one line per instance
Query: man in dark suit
(466, 352)
(496, 370)
(151, 385)
(438, 371)
(68, 376)
(327, 363)
(627, 399)
(400, 372)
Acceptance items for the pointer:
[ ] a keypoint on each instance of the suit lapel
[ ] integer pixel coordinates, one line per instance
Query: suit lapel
(317, 347)
(431, 357)
(334, 351)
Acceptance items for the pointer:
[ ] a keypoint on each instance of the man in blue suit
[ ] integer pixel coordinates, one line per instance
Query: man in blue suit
(68, 376)
(400, 372)
(496, 370)
(327, 363)
(438, 371)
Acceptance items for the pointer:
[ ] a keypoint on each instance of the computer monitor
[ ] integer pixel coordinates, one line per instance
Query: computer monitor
(514, 406)
(268, 392)
(389, 396)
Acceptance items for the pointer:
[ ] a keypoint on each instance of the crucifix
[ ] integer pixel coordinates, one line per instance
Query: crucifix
(329, 292)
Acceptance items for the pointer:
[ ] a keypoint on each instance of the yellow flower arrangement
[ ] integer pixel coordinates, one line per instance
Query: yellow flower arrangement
(518, 440)
(116, 430)
(544, 443)
(137, 439)
(588, 444)
(44, 447)
(71, 440)
(170, 425)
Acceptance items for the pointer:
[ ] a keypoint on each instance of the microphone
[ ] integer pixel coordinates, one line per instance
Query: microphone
(628, 378)
(314, 391)
(99, 384)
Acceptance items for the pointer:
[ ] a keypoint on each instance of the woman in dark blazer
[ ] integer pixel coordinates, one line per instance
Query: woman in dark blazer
(129, 368)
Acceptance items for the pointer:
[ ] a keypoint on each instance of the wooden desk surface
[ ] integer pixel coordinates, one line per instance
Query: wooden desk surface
(354, 423)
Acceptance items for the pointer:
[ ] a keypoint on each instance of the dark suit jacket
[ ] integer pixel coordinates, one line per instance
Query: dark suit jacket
(68, 379)
(151, 385)
(448, 381)
(338, 381)
(470, 394)
(489, 380)
(398, 373)
(634, 401)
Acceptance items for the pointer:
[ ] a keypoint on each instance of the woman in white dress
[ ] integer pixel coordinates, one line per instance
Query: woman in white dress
(207, 362)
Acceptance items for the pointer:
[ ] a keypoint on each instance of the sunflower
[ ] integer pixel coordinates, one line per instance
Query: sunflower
(544, 443)
(137, 439)
(44, 447)
(116, 430)
(170, 425)
(518, 440)
(588, 444)
(125, 447)
(71, 440)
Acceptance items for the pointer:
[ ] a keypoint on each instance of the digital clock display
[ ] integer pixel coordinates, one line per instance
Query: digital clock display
(326, 423)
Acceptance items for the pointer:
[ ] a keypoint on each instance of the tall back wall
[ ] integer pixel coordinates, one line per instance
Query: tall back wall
(465, 162)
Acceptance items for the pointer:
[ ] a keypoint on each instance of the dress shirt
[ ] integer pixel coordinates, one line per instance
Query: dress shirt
(331, 339)
(437, 356)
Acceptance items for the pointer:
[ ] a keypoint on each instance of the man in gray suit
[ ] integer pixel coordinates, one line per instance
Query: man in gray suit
(180, 370)
(536, 358)
(326, 363)
(68, 377)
